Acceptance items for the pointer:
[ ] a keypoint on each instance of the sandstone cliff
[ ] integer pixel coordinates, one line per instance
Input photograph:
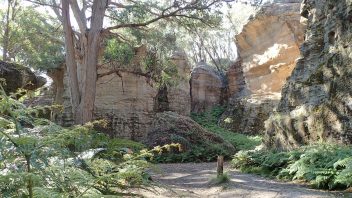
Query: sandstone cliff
(268, 48)
(207, 86)
(316, 102)
(128, 97)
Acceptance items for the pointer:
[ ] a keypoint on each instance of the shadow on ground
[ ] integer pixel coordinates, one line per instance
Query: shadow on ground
(192, 180)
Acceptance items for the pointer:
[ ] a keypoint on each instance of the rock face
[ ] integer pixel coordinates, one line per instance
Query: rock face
(207, 87)
(128, 97)
(247, 114)
(18, 76)
(179, 98)
(316, 102)
(126, 100)
(268, 47)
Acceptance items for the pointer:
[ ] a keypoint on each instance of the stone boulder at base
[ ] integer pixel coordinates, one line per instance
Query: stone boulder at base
(268, 48)
(207, 86)
(170, 127)
(316, 103)
(17, 76)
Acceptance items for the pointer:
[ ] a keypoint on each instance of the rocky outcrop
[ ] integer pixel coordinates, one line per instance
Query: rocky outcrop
(17, 76)
(126, 100)
(269, 45)
(268, 48)
(316, 103)
(207, 86)
(170, 127)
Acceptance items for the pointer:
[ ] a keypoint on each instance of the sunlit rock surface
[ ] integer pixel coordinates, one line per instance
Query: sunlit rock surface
(316, 102)
(268, 48)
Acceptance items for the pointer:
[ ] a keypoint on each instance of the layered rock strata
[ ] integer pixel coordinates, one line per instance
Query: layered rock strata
(316, 102)
(207, 86)
(268, 48)
(129, 98)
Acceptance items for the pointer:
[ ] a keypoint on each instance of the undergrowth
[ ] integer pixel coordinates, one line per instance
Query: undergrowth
(209, 120)
(41, 159)
(323, 166)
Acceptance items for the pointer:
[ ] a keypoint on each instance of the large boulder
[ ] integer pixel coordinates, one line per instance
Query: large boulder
(170, 127)
(17, 76)
(268, 48)
(207, 88)
(316, 103)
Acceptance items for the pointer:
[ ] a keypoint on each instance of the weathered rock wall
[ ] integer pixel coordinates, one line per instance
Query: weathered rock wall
(268, 48)
(316, 102)
(128, 97)
(207, 86)
(179, 96)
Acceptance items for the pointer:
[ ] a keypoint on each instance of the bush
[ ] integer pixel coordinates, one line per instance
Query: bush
(323, 166)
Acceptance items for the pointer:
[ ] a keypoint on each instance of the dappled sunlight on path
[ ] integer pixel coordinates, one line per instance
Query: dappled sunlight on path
(192, 180)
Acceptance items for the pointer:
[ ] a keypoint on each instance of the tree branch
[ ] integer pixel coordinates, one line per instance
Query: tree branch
(191, 6)
(80, 16)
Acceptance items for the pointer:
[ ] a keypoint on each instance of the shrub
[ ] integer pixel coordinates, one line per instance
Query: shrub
(323, 166)
(46, 160)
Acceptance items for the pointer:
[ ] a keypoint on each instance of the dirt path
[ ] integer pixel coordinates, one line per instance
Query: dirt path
(192, 180)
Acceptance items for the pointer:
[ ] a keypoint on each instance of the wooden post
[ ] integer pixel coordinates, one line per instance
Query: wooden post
(220, 165)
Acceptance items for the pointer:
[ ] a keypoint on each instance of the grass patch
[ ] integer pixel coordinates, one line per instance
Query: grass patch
(323, 166)
(209, 120)
(222, 179)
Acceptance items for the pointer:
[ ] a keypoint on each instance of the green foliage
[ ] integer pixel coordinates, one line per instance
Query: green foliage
(42, 159)
(35, 39)
(203, 152)
(209, 120)
(116, 50)
(323, 166)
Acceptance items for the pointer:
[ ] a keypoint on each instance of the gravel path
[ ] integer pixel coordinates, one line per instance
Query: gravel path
(192, 180)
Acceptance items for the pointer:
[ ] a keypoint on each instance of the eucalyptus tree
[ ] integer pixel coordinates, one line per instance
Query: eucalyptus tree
(95, 20)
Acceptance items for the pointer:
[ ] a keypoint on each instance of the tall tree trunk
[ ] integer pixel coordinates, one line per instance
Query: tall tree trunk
(71, 63)
(82, 64)
(5, 41)
(91, 56)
